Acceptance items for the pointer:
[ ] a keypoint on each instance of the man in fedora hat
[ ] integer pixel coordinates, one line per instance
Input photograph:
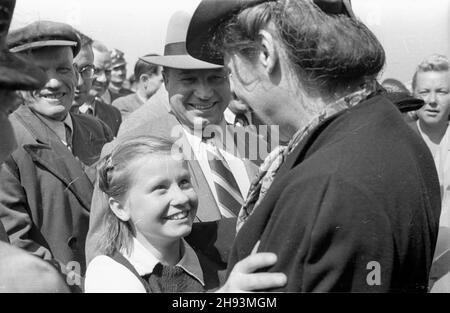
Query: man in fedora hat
(198, 94)
(47, 182)
(19, 270)
(317, 209)
(118, 75)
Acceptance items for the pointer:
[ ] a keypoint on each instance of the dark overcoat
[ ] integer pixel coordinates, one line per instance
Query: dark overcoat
(355, 207)
(45, 190)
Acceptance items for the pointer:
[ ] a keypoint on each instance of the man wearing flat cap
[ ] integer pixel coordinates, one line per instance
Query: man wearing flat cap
(118, 75)
(46, 183)
(19, 270)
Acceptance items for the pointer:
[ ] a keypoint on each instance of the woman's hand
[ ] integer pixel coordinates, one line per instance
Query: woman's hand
(243, 279)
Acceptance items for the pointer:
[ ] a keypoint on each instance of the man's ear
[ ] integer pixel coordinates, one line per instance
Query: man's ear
(268, 56)
(122, 212)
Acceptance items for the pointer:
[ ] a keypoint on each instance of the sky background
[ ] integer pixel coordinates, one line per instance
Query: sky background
(409, 30)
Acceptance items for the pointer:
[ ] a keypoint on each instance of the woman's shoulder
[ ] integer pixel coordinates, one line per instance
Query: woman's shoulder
(106, 275)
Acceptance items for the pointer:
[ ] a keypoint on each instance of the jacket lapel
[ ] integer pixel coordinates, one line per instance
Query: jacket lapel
(50, 153)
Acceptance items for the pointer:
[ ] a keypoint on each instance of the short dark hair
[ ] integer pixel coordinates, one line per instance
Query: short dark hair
(144, 67)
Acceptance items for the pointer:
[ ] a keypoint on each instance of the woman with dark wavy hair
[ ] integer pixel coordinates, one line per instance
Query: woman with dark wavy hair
(352, 204)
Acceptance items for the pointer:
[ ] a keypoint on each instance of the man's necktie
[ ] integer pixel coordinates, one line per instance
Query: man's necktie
(68, 137)
(90, 111)
(227, 189)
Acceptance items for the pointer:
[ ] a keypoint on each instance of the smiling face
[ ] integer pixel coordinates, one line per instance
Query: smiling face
(161, 202)
(434, 89)
(102, 73)
(198, 97)
(84, 59)
(55, 99)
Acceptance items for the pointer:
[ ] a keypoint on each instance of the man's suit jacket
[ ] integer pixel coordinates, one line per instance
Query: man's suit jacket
(355, 207)
(153, 118)
(106, 113)
(45, 191)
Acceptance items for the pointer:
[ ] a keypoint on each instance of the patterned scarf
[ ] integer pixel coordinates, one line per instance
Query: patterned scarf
(277, 157)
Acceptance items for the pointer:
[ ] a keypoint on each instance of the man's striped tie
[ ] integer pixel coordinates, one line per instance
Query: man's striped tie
(228, 192)
(68, 136)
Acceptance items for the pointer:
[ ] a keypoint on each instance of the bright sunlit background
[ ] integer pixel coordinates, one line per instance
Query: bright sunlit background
(410, 30)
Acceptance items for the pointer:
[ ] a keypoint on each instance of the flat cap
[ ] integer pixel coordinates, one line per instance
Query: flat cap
(44, 34)
(117, 58)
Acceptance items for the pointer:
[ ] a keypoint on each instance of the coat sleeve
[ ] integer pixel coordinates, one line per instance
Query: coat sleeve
(22, 272)
(107, 132)
(98, 210)
(15, 212)
(330, 235)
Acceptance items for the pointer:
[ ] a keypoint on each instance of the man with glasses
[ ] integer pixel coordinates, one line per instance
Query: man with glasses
(47, 182)
(94, 71)
(83, 64)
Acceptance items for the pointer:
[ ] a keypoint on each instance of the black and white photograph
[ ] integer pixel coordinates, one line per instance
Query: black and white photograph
(205, 148)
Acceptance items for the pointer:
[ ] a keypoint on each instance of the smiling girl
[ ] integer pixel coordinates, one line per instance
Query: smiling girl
(152, 206)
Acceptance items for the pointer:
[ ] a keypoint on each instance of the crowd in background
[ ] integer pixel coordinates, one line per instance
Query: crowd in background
(246, 157)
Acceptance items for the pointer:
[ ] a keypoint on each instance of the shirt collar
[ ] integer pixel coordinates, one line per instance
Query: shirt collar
(58, 126)
(85, 106)
(144, 261)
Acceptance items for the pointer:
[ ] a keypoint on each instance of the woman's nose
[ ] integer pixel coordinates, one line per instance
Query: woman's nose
(179, 197)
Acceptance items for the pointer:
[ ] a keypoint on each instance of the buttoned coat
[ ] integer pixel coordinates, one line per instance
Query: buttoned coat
(106, 113)
(45, 190)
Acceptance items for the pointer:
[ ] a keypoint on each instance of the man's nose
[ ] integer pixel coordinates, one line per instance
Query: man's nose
(102, 78)
(54, 81)
(431, 98)
(80, 80)
(203, 91)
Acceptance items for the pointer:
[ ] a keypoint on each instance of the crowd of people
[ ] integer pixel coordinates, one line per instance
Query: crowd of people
(259, 152)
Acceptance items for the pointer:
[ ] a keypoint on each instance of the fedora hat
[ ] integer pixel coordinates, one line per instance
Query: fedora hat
(175, 53)
(16, 72)
(210, 13)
